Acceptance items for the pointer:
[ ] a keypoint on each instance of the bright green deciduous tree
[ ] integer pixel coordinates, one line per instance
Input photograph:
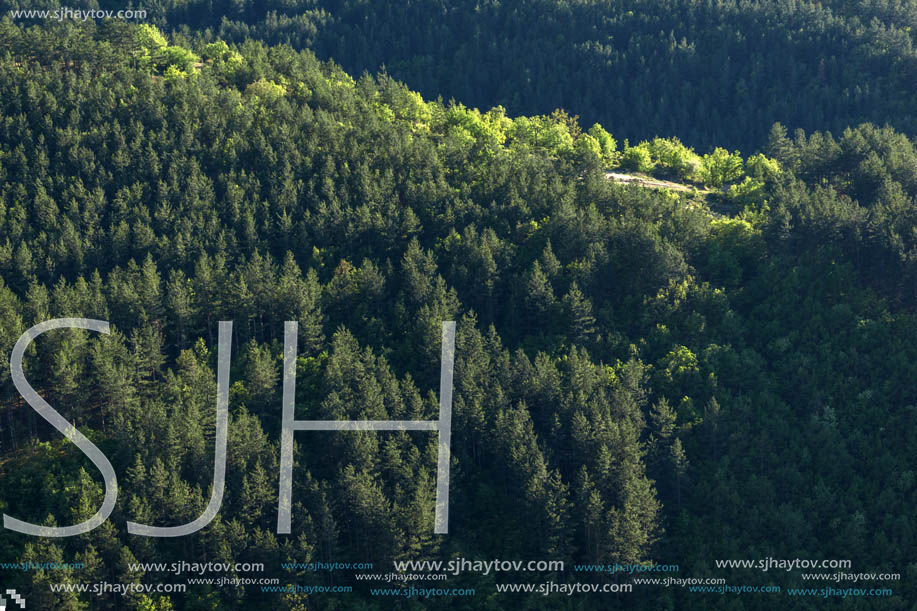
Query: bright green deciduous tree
(721, 167)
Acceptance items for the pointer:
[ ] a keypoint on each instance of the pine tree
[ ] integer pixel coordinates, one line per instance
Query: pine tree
(590, 513)
(781, 148)
(538, 297)
(299, 298)
(579, 313)
(549, 261)
(113, 370)
(148, 358)
(679, 462)
(180, 306)
(262, 372)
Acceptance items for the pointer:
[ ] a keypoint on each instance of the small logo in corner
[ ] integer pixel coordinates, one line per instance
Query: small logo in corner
(16, 599)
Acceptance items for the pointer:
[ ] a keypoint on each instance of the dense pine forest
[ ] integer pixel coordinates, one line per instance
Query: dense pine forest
(711, 72)
(642, 375)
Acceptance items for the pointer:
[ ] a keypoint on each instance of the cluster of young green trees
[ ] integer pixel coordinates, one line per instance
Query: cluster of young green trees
(635, 380)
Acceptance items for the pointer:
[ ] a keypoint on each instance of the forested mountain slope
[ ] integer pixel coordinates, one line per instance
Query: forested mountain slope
(631, 376)
(712, 72)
